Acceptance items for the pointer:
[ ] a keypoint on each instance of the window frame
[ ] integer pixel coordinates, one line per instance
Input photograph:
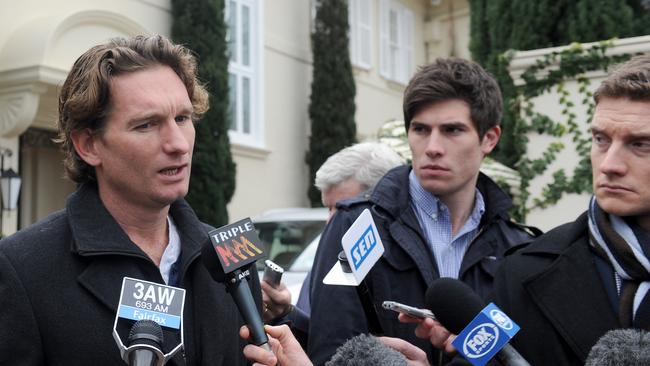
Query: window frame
(358, 28)
(403, 66)
(253, 71)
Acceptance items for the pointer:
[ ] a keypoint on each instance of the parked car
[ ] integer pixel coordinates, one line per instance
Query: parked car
(291, 236)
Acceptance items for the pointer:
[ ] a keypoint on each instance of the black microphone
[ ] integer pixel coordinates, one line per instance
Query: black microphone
(455, 305)
(237, 285)
(365, 350)
(146, 337)
(621, 347)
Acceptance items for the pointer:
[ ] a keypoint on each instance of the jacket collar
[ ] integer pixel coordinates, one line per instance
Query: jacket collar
(556, 241)
(392, 194)
(391, 197)
(579, 312)
(98, 237)
(96, 232)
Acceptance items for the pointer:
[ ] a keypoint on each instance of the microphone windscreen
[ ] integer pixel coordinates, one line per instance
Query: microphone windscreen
(365, 350)
(621, 347)
(146, 332)
(453, 302)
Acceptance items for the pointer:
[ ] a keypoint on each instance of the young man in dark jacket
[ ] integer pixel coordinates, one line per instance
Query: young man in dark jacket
(126, 122)
(439, 217)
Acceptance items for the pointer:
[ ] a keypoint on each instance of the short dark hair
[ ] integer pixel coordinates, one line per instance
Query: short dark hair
(455, 78)
(629, 80)
(84, 100)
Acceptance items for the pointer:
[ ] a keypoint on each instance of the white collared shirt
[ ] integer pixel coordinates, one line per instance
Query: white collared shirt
(435, 221)
(172, 251)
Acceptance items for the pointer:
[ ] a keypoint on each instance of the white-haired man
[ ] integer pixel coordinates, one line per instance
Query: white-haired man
(353, 170)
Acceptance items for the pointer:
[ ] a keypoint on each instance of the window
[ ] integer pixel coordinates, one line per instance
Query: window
(360, 19)
(396, 41)
(244, 21)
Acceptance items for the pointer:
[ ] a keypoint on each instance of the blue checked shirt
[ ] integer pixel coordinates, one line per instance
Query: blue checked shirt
(435, 222)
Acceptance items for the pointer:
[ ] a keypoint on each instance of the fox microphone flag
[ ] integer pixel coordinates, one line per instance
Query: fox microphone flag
(485, 335)
(480, 337)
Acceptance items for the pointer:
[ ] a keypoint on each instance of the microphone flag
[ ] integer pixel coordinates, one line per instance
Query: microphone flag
(362, 247)
(237, 245)
(144, 300)
(485, 335)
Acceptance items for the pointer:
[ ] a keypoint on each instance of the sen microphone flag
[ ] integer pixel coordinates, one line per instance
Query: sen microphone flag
(362, 247)
(485, 335)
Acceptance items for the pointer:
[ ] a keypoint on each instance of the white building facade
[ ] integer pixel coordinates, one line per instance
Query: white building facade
(269, 76)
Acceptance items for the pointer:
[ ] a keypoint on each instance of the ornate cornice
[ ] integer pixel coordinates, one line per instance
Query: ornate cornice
(18, 107)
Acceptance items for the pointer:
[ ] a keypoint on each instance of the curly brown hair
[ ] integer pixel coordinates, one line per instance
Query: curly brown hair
(84, 99)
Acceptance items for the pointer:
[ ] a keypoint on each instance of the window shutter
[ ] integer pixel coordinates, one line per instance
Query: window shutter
(354, 30)
(407, 45)
(364, 28)
(384, 8)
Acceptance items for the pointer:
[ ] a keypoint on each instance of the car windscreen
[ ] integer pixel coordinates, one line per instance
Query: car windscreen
(285, 240)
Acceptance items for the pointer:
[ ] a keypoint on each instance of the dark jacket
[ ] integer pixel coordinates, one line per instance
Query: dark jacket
(553, 290)
(407, 267)
(60, 283)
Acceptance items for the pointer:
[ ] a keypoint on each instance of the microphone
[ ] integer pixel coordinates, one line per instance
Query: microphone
(365, 350)
(145, 344)
(456, 306)
(237, 247)
(621, 347)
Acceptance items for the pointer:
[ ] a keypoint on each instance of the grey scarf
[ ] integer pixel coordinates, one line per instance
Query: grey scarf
(615, 241)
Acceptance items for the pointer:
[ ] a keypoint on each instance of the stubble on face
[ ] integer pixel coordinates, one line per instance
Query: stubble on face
(146, 146)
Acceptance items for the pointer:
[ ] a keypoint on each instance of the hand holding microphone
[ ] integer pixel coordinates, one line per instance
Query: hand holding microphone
(427, 325)
(275, 295)
(286, 350)
(480, 337)
(277, 301)
(432, 330)
(357, 351)
(414, 356)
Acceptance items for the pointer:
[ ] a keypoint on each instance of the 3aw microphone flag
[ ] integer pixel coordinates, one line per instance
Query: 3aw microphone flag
(145, 300)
